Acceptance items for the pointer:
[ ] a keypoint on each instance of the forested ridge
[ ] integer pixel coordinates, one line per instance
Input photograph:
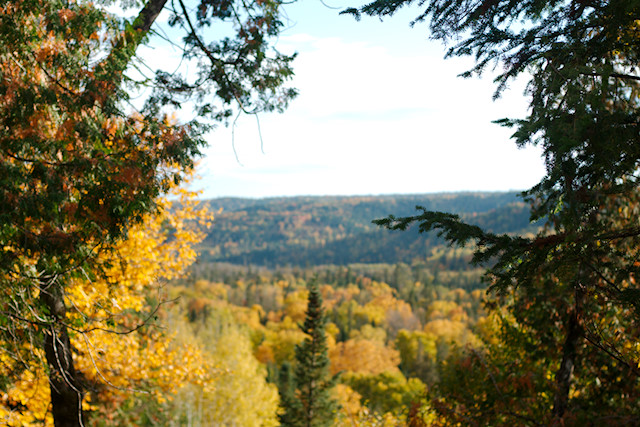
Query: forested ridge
(339, 230)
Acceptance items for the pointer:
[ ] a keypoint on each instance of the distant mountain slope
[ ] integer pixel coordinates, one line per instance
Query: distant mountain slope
(306, 231)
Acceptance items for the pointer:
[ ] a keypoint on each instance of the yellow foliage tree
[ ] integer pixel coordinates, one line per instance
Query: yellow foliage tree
(363, 356)
(118, 349)
(240, 396)
(296, 305)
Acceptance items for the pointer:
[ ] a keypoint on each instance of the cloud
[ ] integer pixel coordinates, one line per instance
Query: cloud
(371, 121)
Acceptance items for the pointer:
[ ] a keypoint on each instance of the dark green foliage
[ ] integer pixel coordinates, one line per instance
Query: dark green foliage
(290, 405)
(313, 405)
(240, 68)
(513, 379)
(582, 59)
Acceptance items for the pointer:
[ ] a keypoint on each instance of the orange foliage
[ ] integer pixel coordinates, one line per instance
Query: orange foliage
(363, 356)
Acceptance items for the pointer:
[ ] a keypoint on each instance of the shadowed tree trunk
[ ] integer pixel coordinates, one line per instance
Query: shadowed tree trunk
(66, 392)
(564, 375)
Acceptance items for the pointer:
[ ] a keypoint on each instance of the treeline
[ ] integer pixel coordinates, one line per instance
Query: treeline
(303, 231)
(447, 267)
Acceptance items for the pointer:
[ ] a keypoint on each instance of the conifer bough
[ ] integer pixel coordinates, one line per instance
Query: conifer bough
(581, 59)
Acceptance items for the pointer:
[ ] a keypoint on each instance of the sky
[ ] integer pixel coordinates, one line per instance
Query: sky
(379, 112)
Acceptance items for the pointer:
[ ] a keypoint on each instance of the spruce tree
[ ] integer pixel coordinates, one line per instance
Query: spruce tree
(288, 401)
(312, 405)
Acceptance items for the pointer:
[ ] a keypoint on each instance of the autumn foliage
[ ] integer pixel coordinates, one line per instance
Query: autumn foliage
(119, 349)
(84, 232)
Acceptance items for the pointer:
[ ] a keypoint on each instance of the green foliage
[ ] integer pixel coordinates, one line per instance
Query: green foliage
(289, 404)
(581, 59)
(314, 406)
(512, 379)
(238, 65)
(78, 168)
(386, 391)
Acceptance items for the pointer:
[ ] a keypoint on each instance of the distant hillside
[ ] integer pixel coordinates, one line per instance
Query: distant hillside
(304, 231)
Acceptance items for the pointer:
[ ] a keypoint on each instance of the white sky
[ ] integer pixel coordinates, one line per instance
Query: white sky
(379, 112)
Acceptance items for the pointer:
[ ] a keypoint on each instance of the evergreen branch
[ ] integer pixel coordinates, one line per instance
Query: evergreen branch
(614, 75)
(214, 60)
(197, 38)
(459, 233)
(451, 227)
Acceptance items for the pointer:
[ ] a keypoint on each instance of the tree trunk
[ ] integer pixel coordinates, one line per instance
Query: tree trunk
(565, 372)
(66, 391)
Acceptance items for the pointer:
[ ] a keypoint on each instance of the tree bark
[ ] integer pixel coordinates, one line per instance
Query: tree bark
(564, 375)
(66, 391)
(109, 73)
(148, 15)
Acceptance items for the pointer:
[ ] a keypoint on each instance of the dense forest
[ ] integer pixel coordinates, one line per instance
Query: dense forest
(125, 300)
(387, 341)
(390, 326)
(304, 231)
